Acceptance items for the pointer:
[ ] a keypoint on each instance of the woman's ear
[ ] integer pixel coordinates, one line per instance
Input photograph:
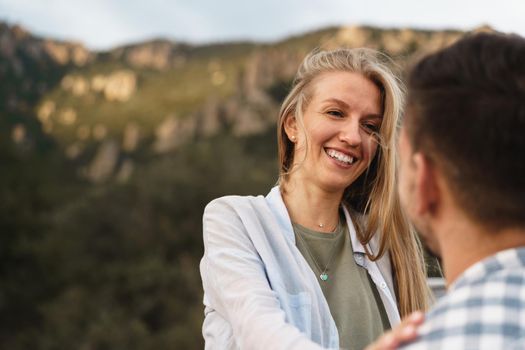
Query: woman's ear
(290, 127)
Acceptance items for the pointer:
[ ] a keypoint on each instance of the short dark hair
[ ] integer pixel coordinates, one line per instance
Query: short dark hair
(466, 112)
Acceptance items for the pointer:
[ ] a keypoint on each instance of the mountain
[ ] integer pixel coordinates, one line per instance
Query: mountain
(108, 159)
(155, 96)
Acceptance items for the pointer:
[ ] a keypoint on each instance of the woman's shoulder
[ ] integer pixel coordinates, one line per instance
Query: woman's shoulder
(231, 202)
(236, 216)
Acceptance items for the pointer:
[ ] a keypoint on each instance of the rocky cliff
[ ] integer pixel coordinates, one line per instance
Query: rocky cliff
(172, 93)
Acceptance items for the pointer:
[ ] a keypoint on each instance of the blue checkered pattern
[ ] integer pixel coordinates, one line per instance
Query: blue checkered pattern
(484, 308)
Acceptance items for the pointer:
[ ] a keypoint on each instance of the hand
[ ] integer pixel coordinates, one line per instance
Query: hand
(402, 333)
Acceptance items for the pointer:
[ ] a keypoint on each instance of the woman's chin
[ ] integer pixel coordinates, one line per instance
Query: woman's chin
(336, 185)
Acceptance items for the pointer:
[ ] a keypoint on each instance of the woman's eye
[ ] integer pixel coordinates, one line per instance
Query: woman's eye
(335, 113)
(371, 128)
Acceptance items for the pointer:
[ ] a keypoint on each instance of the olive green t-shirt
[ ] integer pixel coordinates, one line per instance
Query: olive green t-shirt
(352, 296)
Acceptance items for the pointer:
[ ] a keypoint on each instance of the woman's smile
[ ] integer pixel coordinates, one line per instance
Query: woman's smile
(341, 158)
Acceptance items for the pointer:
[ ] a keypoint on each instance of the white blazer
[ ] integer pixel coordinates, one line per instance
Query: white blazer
(259, 291)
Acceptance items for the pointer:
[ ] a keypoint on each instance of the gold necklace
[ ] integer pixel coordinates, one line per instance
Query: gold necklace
(321, 225)
(324, 275)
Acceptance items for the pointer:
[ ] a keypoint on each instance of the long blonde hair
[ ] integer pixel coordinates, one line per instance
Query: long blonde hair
(374, 193)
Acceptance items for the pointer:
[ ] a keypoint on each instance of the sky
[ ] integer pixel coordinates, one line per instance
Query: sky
(103, 24)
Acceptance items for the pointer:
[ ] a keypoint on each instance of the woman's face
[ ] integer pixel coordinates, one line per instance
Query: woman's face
(340, 121)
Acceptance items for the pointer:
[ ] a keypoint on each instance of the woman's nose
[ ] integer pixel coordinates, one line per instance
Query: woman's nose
(351, 134)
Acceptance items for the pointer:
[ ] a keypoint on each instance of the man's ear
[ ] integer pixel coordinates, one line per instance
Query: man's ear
(290, 127)
(427, 187)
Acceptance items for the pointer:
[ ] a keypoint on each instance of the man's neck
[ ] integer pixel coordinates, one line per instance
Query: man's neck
(464, 243)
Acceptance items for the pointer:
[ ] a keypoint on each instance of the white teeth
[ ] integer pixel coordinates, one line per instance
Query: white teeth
(340, 156)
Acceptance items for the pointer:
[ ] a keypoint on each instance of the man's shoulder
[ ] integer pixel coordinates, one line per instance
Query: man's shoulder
(486, 312)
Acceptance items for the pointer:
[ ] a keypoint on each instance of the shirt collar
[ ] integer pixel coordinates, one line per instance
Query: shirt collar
(356, 244)
(508, 259)
(276, 203)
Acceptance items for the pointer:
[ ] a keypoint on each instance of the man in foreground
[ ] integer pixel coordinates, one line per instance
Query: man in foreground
(462, 183)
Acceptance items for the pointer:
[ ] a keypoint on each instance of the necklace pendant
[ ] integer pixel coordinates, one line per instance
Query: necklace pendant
(323, 276)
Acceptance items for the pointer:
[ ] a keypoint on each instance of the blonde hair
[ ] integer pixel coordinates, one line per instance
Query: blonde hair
(374, 193)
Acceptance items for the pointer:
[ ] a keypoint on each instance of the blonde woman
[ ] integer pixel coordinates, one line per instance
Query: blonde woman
(327, 259)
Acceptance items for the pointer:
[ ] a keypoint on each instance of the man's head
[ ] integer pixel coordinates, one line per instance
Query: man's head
(465, 129)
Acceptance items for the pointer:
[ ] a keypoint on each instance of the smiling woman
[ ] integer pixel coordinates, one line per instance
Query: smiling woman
(337, 131)
(327, 259)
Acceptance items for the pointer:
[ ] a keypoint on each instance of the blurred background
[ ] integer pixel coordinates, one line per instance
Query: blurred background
(120, 120)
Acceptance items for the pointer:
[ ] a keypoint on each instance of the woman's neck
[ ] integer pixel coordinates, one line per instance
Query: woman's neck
(311, 206)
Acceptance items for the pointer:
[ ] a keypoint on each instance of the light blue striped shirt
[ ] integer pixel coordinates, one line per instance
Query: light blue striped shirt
(484, 308)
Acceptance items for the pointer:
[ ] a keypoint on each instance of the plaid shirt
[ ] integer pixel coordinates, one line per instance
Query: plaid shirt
(484, 308)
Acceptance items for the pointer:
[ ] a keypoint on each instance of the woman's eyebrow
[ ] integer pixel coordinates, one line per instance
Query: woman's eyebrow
(342, 104)
(374, 116)
(345, 105)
